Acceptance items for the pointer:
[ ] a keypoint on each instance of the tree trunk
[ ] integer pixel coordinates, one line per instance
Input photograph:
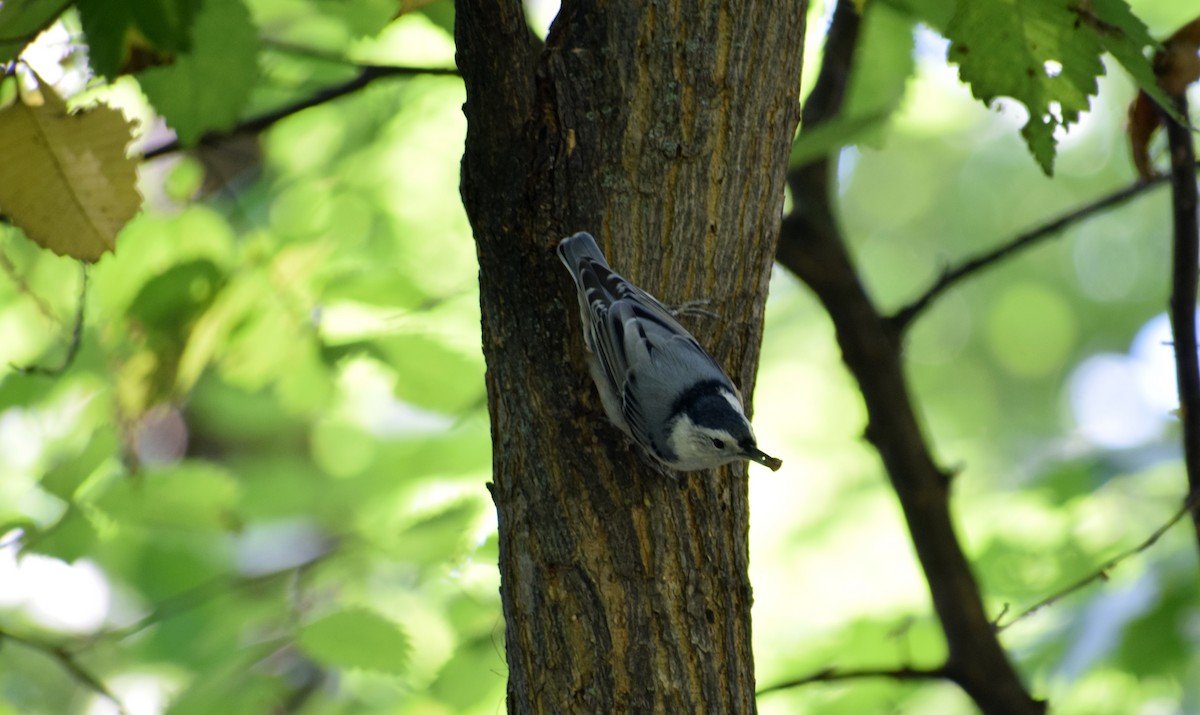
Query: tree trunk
(663, 129)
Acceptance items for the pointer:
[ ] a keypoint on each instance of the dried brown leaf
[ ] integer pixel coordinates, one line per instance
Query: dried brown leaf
(1144, 120)
(1176, 65)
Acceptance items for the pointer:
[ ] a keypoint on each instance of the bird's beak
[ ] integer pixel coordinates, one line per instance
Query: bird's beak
(755, 454)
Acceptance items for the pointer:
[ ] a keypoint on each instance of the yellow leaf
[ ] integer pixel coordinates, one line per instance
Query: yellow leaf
(64, 178)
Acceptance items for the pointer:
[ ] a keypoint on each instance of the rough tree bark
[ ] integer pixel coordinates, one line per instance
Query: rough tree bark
(664, 129)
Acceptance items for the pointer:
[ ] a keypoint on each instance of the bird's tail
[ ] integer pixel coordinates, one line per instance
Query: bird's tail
(599, 285)
(573, 249)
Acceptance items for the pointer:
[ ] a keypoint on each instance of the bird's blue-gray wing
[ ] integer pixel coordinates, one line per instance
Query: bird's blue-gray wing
(662, 360)
(646, 356)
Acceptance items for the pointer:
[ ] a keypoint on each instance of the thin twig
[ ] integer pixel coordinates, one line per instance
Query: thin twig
(1100, 574)
(69, 663)
(76, 336)
(904, 317)
(199, 595)
(366, 75)
(1184, 282)
(23, 288)
(310, 53)
(830, 675)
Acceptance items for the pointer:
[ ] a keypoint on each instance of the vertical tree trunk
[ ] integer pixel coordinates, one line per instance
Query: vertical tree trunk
(664, 129)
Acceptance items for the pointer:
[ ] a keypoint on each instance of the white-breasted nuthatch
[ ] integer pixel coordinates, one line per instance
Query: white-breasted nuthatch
(656, 383)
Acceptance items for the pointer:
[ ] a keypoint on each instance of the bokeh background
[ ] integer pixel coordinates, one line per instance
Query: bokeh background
(259, 487)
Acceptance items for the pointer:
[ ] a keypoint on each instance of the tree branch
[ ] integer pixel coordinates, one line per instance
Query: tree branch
(69, 663)
(366, 75)
(904, 317)
(1184, 283)
(830, 675)
(192, 598)
(812, 247)
(1101, 574)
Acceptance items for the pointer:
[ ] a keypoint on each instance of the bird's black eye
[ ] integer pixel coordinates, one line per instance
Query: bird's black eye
(719, 444)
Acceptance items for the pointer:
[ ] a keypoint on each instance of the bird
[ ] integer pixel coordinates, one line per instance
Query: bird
(656, 383)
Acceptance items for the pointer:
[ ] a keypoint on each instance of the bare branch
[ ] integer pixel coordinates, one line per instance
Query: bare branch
(69, 663)
(830, 675)
(1185, 282)
(812, 246)
(904, 317)
(367, 74)
(1100, 574)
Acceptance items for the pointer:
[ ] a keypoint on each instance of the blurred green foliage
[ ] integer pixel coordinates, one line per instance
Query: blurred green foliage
(1041, 499)
(273, 442)
(260, 485)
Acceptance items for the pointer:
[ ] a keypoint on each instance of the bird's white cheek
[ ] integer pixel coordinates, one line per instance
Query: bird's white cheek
(682, 439)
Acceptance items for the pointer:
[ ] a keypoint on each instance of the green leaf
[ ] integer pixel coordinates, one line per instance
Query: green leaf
(362, 18)
(191, 495)
(65, 179)
(462, 451)
(233, 688)
(208, 636)
(1046, 55)
(21, 21)
(9, 524)
(1033, 51)
(440, 13)
(64, 478)
(356, 638)
(106, 26)
(70, 538)
(1126, 38)
(440, 537)
(934, 13)
(244, 361)
(286, 486)
(355, 282)
(306, 385)
(341, 448)
(166, 23)
(1152, 640)
(113, 26)
(206, 88)
(164, 564)
(169, 302)
(472, 676)
(242, 420)
(209, 336)
(431, 374)
(883, 64)
(21, 393)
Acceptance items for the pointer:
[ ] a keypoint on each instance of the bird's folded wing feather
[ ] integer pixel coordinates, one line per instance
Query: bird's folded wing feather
(634, 334)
